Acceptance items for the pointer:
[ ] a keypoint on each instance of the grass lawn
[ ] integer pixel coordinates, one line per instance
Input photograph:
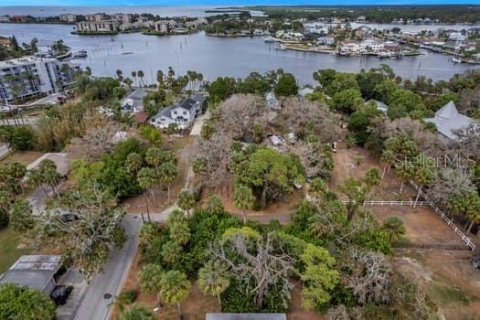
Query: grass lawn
(9, 252)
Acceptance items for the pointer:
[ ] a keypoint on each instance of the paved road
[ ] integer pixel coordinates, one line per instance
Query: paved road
(18, 121)
(94, 306)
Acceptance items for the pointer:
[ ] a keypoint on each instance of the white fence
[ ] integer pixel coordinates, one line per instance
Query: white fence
(392, 203)
(449, 222)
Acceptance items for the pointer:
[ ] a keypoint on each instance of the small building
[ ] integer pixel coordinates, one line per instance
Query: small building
(182, 114)
(448, 120)
(34, 271)
(246, 316)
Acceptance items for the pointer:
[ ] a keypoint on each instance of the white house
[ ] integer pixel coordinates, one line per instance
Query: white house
(182, 114)
(165, 26)
(371, 45)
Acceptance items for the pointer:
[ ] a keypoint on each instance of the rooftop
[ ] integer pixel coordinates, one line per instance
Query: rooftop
(23, 60)
(60, 159)
(33, 271)
(448, 119)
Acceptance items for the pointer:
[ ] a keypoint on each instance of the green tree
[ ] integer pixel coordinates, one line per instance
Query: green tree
(243, 199)
(348, 100)
(149, 278)
(215, 205)
(146, 180)
(221, 89)
(286, 86)
(186, 201)
(394, 227)
(174, 288)
(319, 277)
(213, 280)
(21, 218)
(167, 174)
(373, 177)
(49, 174)
(355, 192)
(137, 312)
(18, 302)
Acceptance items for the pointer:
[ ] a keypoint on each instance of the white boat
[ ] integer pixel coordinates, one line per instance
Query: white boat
(456, 60)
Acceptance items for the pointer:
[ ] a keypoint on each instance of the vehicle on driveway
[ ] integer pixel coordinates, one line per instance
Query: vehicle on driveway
(60, 294)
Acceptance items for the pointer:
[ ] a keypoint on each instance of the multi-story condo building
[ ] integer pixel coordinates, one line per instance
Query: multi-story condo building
(33, 76)
(97, 27)
(96, 17)
(67, 17)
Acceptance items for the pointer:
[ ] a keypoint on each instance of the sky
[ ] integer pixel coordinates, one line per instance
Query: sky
(222, 2)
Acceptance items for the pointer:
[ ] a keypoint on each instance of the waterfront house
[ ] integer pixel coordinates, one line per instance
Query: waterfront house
(165, 26)
(325, 41)
(133, 103)
(448, 120)
(181, 114)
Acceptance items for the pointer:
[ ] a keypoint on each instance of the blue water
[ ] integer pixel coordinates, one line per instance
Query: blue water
(216, 56)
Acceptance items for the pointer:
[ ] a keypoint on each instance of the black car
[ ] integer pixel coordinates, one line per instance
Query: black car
(60, 294)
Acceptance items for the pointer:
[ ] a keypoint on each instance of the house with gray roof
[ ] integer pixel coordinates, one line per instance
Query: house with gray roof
(34, 271)
(133, 103)
(448, 120)
(182, 113)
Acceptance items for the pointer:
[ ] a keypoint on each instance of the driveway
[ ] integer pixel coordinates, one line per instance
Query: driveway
(95, 305)
(4, 151)
(197, 125)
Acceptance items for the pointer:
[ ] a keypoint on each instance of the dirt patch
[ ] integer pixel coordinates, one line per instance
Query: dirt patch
(24, 157)
(422, 225)
(448, 278)
(297, 312)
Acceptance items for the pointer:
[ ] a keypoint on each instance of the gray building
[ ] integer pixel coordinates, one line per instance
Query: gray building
(34, 271)
(34, 76)
(104, 26)
(448, 120)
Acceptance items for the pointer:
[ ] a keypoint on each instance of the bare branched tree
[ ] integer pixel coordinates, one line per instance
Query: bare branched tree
(257, 264)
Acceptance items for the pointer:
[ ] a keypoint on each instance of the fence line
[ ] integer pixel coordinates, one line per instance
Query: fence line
(392, 203)
(442, 214)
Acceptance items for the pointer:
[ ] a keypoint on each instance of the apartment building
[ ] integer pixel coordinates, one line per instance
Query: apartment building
(97, 27)
(33, 76)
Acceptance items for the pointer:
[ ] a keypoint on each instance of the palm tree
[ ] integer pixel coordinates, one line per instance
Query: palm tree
(388, 157)
(150, 277)
(140, 74)
(405, 172)
(134, 162)
(49, 174)
(215, 205)
(119, 75)
(160, 76)
(423, 175)
(137, 312)
(167, 173)
(373, 177)
(18, 172)
(212, 279)
(21, 216)
(146, 179)
(394, 227)
(174, 288)
(186, 201)
(134, 76)
(243, 199)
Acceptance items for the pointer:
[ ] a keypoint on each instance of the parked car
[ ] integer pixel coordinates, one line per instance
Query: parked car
(60, 294)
